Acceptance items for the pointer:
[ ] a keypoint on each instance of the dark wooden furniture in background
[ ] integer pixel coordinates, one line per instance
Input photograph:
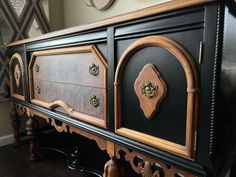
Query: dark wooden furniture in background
(144, 85)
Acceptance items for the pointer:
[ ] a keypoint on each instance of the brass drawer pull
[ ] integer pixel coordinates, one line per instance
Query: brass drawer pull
(148, 89)
(38, 90)
(36, 68)
(94, 101)
(94, 69)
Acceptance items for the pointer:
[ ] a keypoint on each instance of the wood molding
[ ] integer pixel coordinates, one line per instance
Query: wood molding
(149, 167)
(189, 67)
(153, 141)
(71, 112)
(144, 167)
(22, 110)
(102, 143)
(18, 57)
(149, 11)
(59, 128)
(36, 113)
(59, 103)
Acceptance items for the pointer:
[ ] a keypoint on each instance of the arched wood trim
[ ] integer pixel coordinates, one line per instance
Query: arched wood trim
(70, 111)
(189, 67)
(18, 57)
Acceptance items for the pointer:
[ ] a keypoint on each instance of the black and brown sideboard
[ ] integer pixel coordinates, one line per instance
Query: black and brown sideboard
(156, 84)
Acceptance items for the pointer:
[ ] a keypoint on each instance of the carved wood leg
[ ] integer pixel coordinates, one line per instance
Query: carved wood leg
(113, 168)
(15, 122)
(31, 126)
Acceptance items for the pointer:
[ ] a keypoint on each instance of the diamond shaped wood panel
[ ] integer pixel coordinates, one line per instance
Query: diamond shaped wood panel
(150, 89)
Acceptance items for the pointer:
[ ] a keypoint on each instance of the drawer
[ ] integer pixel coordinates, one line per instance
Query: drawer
(78, 65)
(17, 76)
(84, 103)
(71, 81)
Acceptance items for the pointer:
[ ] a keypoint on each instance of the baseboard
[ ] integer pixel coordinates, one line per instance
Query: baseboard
(5, 140)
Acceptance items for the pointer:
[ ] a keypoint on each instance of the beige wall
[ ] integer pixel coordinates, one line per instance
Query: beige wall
(77, 13)
(56, 14)
(5, 124)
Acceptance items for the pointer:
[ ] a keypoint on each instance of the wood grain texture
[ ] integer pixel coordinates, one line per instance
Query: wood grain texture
(151, 75)
(18, 57)
(69, 66)
(31, 127)
(60, 80)
(113, 168)
(188, 151)
(71, 98)
(157, 9)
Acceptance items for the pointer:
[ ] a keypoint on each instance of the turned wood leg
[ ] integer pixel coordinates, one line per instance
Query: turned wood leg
(113, 168)
(15, 122)
(31, 127)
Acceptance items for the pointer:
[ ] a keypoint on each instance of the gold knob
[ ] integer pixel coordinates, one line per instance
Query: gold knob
(36, 68)
(94, 101)
(148, 89)
(94, 69)
(38, 90)
(16, 75)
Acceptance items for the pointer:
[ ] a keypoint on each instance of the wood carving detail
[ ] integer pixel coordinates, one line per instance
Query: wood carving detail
(150, 89)
(17, 75)
(140, 163)
(149, 167)
(189, 66)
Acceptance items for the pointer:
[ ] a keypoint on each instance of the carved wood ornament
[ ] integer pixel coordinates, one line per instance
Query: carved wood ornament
(189, 67)
(150, 89)
(140, 163)
(149, 167)
(17, 75)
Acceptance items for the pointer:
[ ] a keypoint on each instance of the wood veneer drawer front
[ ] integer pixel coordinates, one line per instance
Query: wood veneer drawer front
(85, 103)
(17, 76)
(78, 65)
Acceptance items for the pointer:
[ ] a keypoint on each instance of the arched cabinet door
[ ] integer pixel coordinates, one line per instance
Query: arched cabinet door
(157, 95)
(17, 76)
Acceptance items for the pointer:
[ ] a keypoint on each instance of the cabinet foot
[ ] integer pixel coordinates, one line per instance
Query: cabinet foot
(15, 122)
(113, 168)
(31, 127)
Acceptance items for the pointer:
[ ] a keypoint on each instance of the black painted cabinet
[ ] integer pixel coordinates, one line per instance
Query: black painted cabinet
(170, 83)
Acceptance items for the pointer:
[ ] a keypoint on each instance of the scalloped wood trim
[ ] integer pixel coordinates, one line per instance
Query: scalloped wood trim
(22, 110)
(189, 67)
(146, 167)
(61, 128)
(102, 143)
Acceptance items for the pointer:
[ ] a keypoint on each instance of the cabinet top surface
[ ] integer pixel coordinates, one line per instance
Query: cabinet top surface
(149, 11)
